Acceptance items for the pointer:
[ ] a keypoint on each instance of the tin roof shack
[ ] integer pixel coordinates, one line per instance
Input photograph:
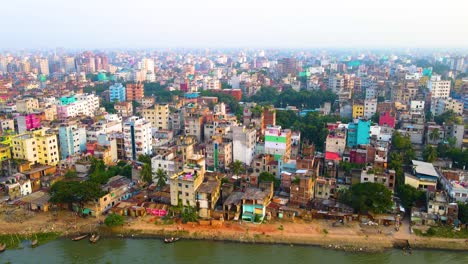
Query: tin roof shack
(421, 218)
(331, 209)
(117, 189)
(386, 219)
(424, 176)
(37, 201)
(207, 197)
(254, 203)
(232, 206)
(302, 191)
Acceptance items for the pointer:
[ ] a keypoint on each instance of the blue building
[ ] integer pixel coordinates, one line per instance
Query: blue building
(72, 140)
(117, 93)
(358, 133)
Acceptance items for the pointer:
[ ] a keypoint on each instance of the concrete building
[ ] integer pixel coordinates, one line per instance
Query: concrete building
(27, 105)
(184, 185)
(36, 147)
(124, 109)
(218, 154)
(166, 162)
(72, 140)
(370, 108)
(358, 133)
(336, 138)
(138, 138)
(27, 123)
(442, 105)
(117, 93)
(278, 142)
(135, 91)
(243, 144)
(358, 110)
(439, 89)
(376, 176)
(424, 176)
(158, 116)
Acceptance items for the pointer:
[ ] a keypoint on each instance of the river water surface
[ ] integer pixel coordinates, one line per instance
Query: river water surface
(154, 251)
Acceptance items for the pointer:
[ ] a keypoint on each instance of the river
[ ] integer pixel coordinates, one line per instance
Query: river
(154, 251)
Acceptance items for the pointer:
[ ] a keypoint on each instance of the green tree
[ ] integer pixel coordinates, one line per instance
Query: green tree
(161, 178)
(430, 154)
(410, 195)
(269, 177)
(114, 220)
(237, 167)
(375, 117)
(448, 118)
(70, 174)
(67, 192)
(434, 135)
(144, 159)
(146, 173)
(368, 197)
(463, 212)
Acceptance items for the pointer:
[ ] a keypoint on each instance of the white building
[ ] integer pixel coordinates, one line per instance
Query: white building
(370, 107)
(442, 105)
(165, 162)
(137, 137)
(417, 107)
(244, 141)
(439, 89)
(370, 93)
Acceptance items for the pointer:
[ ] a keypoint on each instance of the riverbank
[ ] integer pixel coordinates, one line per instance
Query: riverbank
(350, 237)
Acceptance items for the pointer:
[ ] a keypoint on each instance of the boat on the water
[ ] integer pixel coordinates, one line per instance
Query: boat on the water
(34, 243)
(78, 238)
(2, 247)
(94, 238)
(171, 240)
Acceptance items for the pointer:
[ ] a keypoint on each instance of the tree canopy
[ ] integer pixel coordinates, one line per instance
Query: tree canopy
(409, 196)
(75, 192)
(368, 197)
(114, 220)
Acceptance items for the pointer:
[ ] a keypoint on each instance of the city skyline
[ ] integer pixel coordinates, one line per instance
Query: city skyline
(243, 24)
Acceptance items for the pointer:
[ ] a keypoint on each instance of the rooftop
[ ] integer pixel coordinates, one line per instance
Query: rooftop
(424, 168)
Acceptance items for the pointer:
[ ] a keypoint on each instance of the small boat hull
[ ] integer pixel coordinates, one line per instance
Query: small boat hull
(34, 243)
(78, 238)
(171, 240)
(94, 238)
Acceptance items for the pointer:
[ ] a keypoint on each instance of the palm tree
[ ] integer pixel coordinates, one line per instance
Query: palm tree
(146, 173)
(161, 178)
(237, 167)
(434, 134)
(430, 154)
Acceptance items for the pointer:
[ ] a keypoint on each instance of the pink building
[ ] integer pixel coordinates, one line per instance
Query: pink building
(386, 119)
(28, 122)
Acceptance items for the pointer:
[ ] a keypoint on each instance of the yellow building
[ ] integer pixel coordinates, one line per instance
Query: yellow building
(36, 147)
(158, 116)
(5, 152)
(358, 110)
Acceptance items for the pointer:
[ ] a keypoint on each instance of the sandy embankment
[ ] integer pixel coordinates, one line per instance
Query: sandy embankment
(318, 232)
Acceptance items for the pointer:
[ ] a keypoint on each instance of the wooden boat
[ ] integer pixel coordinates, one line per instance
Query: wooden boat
(34, 243)
(94, 238)
(171, 240)
(2, 247)
(78, 238)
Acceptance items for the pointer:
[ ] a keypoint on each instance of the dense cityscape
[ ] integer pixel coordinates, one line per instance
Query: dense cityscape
(233, 132)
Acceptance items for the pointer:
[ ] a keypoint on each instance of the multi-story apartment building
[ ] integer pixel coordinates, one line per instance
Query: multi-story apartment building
(358, 110)
(158, 116)
(370, 108)
(81, 104)
(138, 138)
(194, 126)
(72, 140)
(439, 89)
(243, 144)
(358, 133)
(124, 109)
(28, 122)
(117, 93)
(36, 147)
(27, 105)
(184, 185)
(336, 138)
(135, 91)
(278, 142)
(442, 105)
(218, 154)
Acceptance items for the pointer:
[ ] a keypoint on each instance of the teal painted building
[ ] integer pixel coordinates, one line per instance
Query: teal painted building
(358, 133)
(67, 100)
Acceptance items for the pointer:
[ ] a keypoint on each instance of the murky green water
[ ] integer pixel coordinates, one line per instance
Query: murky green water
(154, 251)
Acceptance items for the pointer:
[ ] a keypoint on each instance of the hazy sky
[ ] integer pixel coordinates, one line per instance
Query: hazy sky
(236, 23)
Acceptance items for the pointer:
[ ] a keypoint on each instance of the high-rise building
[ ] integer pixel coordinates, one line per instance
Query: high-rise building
(72, 140)
(117, 93)
(68, 64)
(135, 91)
(218, 154)
(138, 138)
(44, 66)
(288, 66)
